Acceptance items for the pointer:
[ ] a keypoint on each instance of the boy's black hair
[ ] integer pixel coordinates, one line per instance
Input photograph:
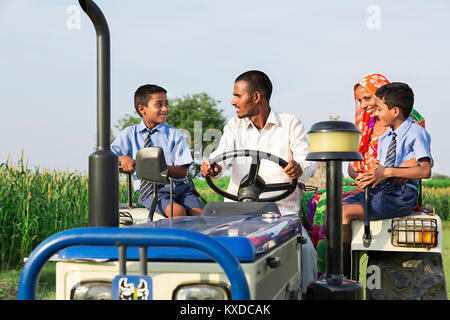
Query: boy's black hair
(397, 94)
(143, 93)
(257, 81)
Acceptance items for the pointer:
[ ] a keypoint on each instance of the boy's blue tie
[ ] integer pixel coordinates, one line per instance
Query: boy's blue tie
(390, 156)
(146, 187)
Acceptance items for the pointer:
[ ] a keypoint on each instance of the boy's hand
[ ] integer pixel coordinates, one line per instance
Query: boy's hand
(293, 169)
(364, 179)
(359, 181)
(128, 164)
(207, 170)
(373, 177)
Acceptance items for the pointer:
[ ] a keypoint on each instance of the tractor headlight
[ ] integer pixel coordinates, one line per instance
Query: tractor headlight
(92, 290)
(202, 291)
(414, 232)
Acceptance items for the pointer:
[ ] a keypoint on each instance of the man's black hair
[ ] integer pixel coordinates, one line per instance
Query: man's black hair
(143, 93)
(397, 94)
(257, 81)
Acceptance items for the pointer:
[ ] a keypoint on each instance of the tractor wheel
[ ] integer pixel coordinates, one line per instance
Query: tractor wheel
(405, 276)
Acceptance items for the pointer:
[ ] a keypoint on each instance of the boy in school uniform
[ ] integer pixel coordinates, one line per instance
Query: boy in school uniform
(404, 140)
(151, 104)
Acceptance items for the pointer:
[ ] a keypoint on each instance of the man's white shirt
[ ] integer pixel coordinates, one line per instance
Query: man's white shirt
(284, 136)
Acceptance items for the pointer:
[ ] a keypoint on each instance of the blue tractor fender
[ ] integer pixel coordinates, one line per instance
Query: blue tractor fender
(114, 236)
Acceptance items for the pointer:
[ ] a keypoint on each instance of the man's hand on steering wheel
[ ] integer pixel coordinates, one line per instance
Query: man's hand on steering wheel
(252, 185)
(293, 169)
(207, 170)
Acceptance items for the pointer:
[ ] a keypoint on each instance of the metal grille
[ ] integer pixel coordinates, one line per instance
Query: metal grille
(414, 232)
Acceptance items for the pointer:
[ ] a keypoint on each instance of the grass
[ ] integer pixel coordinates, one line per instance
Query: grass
(9, 283)
(439, 198)
(446, 254)
(207, 193)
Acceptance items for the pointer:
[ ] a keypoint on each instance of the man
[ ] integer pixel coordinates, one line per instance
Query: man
(258, 127)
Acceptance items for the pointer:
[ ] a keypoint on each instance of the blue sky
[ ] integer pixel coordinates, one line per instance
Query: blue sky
(313, 51)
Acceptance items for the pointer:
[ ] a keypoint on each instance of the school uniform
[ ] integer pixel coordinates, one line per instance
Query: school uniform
(176, 153)
(389, 199)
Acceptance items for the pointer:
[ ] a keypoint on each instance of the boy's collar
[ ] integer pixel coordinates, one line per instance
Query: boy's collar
(160, 127)
(402, 129)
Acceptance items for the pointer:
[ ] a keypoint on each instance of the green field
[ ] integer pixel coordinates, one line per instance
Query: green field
(446, 254)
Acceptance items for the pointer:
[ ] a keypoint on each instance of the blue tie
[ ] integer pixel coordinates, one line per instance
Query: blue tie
(146, 187)
(390, 155)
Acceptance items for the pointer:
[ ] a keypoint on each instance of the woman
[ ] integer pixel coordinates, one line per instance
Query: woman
(314, 203)
(367, 123)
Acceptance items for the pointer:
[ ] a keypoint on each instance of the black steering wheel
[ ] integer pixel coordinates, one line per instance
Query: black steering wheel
(252, 185)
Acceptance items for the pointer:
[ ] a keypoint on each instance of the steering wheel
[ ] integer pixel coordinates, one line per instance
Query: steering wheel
(252, 185)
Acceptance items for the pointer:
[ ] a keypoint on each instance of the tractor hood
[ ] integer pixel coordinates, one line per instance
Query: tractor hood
(247, 237)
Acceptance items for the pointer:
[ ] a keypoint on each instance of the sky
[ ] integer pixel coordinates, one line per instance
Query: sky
(313, 51)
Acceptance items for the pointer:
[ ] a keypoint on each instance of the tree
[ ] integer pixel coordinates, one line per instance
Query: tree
(198, 118)
(439, 176)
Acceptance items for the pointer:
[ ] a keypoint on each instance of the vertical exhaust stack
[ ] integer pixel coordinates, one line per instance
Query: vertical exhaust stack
(103, 163)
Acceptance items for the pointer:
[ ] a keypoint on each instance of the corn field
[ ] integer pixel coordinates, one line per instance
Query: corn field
(36, 204)
(438, 198)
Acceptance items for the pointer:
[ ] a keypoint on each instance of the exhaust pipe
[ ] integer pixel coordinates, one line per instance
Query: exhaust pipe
(103, 163)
